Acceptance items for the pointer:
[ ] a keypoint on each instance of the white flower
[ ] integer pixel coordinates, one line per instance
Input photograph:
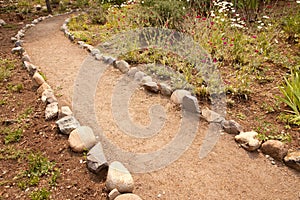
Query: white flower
(259, 27)
(266, 17)
(297, 1)
(222, 20)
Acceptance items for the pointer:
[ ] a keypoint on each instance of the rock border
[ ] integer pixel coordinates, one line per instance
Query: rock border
(247, 140)
(79, 136)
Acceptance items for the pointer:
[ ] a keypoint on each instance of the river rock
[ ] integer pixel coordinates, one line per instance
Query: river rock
(248, 141)
(51, 111)
(2, 22)
(98, 56)
(276, 149)
(128, 197)
(139, 76)
(26, 57)
(190, 104)
(292, 159)
(113, 194)
(231, 127)
(151, 86)
(31, 68)
(67, 124)
(65, 111)
(95, 51)
(38, 79)
(177, 96)
(119, 177)
(165, 89)
(42, 88)
(211, 116)
(18, 43)
(18, 50)
(132, 71)
(122, 65)
(48, 96)
(82, 138)
(96, 160)
(146, 79)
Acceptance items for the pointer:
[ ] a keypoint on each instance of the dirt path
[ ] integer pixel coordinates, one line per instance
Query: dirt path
(228, 172)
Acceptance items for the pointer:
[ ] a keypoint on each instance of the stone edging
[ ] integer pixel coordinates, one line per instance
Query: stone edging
(273, 149)
(81, 138)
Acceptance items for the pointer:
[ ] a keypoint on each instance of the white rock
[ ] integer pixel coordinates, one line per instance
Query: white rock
(67, 124)
(119, 177)
(18, 50)
(38, 79)
(42, 88)
(132, 72)
(51, 111)
(113, 194)
(2, 22)
(48, 96)
(128, 197)
(95, 51)
(82, 138)
(177, 96)
(65, 111)
(248, 141)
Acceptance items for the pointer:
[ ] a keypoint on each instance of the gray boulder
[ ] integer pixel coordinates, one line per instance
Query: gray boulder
(122, 65)
(231, 127)
(67, 124)
(96, 160)
(138, 76)
(165, 89)
(177, 96)
(42, 88)
(151, 86)
(119, 177)
(132, 71)
(82, 138)
(146, 79)
(48, 96)
(190, 104)
(18, 50)
(211, 116)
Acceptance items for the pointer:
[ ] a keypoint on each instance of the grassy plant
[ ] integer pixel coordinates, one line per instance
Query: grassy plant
(10, 152)
(284, 137)
(291, 93)
(15, 87)
(41, 194)
(6, 66)
(12, 136)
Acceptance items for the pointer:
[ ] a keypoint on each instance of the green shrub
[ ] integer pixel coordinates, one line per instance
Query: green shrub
(169, 12)
(5, 68)
(291, 93)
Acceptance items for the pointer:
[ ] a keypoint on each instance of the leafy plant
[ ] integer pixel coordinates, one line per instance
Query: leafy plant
(12, 135)
(41, 194)
(291, 93)
(284, 137)
(15, 87)
(5, 68)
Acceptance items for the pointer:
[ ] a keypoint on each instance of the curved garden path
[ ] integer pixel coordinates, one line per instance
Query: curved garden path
(228, 172)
